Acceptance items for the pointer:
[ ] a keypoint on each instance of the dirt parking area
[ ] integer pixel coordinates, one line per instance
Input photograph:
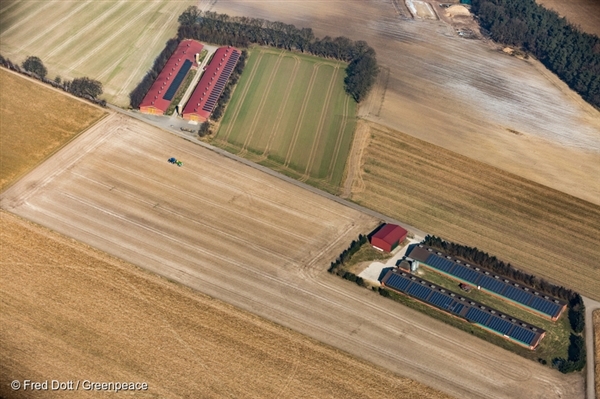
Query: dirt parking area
(258, 243)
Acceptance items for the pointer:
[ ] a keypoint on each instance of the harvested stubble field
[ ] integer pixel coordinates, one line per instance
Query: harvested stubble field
(537, 229)
(36, 120)
(463, 95)
(71, 312)
(113, 41)
(290, 112)
(259, 243)
(582, 13)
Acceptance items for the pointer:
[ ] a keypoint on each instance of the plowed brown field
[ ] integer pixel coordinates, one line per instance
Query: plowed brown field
(539, 230)
(583, 13)
(463, 95)
(70, 312)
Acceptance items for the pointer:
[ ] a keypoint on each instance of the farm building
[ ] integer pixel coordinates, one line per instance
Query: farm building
(388, 237)
(486, 280)
(211, 85)
(165, 86)
(457, 305)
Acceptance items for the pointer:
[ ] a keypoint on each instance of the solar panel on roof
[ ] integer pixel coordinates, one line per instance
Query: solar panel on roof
(466, 274)
(500, 325)
(440, 300)
(517, 295)
(456, 307)
(523, 335)
(491, 284)
(439, 263)
(177, 80)
(419, 290)
(477, 316)
(545, 306)
(397, 282)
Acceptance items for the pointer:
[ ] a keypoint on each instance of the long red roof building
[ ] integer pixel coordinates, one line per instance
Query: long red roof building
(204, 99)
(165, 86)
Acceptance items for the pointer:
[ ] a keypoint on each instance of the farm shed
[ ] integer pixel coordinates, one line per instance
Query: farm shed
(165, 86)
(388, 237)
(204, 98)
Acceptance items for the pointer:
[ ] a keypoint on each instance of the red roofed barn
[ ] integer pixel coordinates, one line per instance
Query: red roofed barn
(388, 237)
(165, 86)
(204, 99)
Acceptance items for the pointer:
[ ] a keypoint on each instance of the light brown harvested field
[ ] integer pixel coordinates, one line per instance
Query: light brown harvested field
(597, 350)
(72, 312)
(26, 140)
(582, 13)
(463, 95)
(258, 243)
(113, 41)
(539, 230)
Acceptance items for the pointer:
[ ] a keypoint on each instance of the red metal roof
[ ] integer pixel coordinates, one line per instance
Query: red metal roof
(390, 233)
(211, 85)
(185, 51)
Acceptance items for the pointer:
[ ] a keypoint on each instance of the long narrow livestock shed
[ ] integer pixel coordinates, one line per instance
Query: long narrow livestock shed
(162, 91)
(204, 98)
(503, 287)
(490, 319)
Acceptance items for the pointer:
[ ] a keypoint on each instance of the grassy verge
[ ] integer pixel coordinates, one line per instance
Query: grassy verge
(181, 91)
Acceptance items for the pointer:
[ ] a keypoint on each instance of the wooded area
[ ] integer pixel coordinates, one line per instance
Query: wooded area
(573, 55)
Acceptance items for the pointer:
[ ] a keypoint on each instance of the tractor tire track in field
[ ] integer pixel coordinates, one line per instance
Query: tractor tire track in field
(311, 83)
(87, 27)
(53, 26)
(313, 150)
(27, 18)
(338, 142)
(354, 162)
(86, 57)
(242, 98)
(261, 105)
(282, 108)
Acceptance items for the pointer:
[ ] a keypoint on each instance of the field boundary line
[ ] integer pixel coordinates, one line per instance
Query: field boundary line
(310, 85)
(52, 27)
(261, 105)
(355, 160)
(243, 95)
(311, 157)
(338, 142)
(281, 111)
(27, 18)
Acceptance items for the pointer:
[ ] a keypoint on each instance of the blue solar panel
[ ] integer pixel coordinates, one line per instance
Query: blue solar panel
(498, 324)
(545, 306)
(517, 294)
(187, 64)
(440, 300)
(466, 274)
(456, 307)
(492, 284)
(419, 290)
(439, 263)
(398, 282)
(477, 316)
(523, 335)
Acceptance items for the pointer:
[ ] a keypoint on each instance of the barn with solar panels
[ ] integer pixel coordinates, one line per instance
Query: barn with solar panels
(502, 287)
(388, 237)
(162, 91)
(457, 305)
(204, 98)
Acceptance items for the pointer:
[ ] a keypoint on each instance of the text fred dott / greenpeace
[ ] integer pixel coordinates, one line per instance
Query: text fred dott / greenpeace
(76, 385)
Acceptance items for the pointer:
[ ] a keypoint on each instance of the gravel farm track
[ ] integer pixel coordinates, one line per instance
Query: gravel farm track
(463, 95)
(112, 188)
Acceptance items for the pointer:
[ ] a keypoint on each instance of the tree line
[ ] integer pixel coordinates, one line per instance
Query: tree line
(337, 267)
(84, 87)
(223, 29)
(565, 50)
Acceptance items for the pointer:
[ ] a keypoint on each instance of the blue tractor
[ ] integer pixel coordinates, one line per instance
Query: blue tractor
(174, 161)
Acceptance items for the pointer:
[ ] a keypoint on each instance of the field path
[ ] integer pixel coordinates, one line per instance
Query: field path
(324, 112)
(263, 100)
(310, 85)
(282, 108)
(353, 177)
(242, 98)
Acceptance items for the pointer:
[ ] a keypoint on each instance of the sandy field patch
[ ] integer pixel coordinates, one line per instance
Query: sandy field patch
(537, 229)
(457, 10)
(420, 9)
(35, 120)
(71, 312)
(583, 13)
(461, 94)
(258, 243)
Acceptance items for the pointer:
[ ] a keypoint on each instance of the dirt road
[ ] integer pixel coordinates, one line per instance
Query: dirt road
(258, 243)
(464, 95)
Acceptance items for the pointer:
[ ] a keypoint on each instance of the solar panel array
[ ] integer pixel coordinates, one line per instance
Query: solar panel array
(217, 89)
(463, 307)
(187, 64)
(542, 304)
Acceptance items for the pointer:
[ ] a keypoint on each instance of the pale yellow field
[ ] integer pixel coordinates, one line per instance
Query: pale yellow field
(27, 140)
(71, 312)
(113, 41)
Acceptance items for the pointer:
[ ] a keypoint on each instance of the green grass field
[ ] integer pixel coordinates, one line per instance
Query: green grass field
(290, 112)
(112, 41)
